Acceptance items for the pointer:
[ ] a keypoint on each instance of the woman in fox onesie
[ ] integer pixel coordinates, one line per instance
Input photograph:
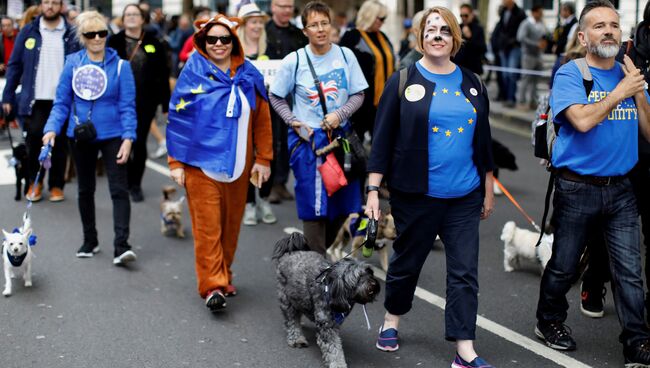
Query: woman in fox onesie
(218, 137)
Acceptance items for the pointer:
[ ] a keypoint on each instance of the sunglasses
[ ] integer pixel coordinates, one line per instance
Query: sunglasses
(225, 40)
(92, 35)
(383, 19)
(464, 15)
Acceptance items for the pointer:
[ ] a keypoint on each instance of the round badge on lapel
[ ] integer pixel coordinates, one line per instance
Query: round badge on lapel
(473, 91)
(414, 92)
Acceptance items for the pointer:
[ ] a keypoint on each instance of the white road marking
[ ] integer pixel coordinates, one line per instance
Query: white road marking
(7, 173)
(482, 322)
(500, 330)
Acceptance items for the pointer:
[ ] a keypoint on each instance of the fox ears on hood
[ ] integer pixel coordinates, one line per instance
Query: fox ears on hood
(232, 23)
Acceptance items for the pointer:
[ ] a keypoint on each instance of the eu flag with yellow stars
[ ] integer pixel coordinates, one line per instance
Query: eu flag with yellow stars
(204, 110)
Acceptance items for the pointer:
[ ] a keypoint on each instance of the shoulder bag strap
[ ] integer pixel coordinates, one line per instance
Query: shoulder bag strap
(137, 46)
(321, 95)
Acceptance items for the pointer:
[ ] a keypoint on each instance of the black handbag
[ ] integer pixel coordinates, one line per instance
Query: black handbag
(351, 155)
(84, 132)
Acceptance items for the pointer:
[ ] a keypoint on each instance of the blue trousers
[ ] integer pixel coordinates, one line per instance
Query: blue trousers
(577, 207)
(418, 219)
(511, 59)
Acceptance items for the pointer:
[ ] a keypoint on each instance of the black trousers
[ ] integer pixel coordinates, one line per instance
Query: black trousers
(34, 125)
(265, 190)
(280, 163)
(138, 157)
(418, 219)
(85, 156)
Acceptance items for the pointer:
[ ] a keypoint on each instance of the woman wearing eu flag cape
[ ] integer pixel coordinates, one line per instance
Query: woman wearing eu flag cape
(218, 137)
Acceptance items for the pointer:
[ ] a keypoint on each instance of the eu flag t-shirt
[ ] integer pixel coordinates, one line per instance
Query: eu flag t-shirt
(452, 120)
(608, 149)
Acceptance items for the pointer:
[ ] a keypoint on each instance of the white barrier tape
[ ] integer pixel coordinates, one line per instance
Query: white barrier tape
(539, 73)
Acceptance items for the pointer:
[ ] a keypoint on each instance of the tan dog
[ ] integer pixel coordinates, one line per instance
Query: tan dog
(171, 213)
(354, 229)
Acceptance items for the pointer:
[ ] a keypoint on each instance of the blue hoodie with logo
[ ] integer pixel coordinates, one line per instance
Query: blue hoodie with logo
(113, 113)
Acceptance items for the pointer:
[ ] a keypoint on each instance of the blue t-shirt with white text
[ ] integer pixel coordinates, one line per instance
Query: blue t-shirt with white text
(452, 121)
(608, 149)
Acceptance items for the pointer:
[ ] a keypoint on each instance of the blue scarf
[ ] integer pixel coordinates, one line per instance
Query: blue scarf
(204, 111)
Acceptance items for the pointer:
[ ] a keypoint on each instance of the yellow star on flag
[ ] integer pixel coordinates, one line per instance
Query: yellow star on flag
(460, 130)
(445, 90)
(470, 121)
(457, 93)
(181, 105)
(435, 129)
(198, 90)
(466, 99)
(434, 93)
(448, 133)
(474, 109)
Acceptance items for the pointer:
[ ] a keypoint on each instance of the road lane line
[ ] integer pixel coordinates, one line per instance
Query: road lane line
(500, 330)
(482, 322)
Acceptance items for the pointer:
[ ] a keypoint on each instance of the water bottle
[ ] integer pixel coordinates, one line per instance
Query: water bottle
(347, 161)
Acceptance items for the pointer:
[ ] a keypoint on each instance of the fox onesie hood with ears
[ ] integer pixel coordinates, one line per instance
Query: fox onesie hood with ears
(205, 125)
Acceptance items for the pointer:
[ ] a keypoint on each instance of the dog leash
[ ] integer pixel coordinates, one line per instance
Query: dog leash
(45, 162)
(514, 201)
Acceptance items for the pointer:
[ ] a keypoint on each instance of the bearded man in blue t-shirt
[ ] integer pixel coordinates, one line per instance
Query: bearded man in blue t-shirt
(596, 147)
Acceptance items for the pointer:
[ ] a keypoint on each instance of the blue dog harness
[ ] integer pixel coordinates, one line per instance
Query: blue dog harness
(16, 261)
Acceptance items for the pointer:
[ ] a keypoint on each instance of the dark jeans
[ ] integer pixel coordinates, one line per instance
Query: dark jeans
(511, 59)
(418, 219)
(34, 125)
(577, 208)
(598, 271)
(85, 156)
(138, 158)
(280, 163)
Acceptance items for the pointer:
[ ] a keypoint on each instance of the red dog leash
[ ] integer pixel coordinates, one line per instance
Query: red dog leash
(514, 201)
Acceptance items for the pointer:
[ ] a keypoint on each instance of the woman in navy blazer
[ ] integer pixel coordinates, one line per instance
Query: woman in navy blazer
(432, 144)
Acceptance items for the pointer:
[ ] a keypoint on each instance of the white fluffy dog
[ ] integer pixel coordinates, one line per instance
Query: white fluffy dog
(17, 255)
(520, 243)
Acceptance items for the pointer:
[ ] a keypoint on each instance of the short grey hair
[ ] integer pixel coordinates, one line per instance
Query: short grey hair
(591, 6)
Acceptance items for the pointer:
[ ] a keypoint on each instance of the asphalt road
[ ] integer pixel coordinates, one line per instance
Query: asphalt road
(89, 313)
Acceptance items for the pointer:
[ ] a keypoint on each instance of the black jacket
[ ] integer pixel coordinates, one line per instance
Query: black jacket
(473, 50)
(400, 147)
(281, 41)
(155, 78)
(638, 50)
(561, 36)
(505, 33)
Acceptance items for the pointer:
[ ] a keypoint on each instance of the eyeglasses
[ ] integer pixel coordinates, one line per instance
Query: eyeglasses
(225, 40)
(464, 15)
(92, 35)
(383, 19)
(316, 26)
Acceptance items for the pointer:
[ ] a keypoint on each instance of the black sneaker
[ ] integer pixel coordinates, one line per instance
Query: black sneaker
(637, 355)
(124, 258)
(136, 194)
(215, 300)
(87, 251)
(556, 335)
(592, 300)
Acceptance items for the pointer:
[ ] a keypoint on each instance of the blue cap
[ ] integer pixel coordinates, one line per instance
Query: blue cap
(408, 23)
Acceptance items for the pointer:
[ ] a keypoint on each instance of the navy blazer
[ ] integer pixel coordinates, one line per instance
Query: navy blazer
(400, 147)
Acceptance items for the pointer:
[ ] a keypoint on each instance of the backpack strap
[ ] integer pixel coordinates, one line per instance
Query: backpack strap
(587, 78)
(403, 75)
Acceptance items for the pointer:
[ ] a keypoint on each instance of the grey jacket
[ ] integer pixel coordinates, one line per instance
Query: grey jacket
(529, 34)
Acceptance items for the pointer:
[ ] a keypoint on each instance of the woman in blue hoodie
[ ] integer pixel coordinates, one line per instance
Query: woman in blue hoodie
(97, 87)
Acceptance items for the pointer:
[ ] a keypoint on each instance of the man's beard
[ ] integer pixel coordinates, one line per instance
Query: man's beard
(53, 17)
(603, 51)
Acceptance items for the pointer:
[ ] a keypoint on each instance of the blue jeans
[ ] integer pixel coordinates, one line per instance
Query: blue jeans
(577, 207)
(511, 59)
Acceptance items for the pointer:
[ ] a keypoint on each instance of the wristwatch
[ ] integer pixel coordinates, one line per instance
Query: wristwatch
(371, 188)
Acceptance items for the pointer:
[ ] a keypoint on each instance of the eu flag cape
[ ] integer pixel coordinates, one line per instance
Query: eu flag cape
(204, 111)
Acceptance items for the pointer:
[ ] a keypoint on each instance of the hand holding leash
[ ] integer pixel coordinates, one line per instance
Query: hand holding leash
(371, 236)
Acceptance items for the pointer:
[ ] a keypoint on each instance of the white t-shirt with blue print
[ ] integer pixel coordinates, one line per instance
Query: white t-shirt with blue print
(452, 121)
(608, 149)
(340, 77)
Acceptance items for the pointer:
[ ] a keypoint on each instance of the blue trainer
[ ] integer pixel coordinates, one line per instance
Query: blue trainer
(387, 340)
(476, 363)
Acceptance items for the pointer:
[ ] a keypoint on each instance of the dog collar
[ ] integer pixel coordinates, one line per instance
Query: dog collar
(16, 261)
(165, 221)
(337, 317)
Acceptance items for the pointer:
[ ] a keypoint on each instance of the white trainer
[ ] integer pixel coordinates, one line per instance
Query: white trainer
(250, 214)
(267, 213)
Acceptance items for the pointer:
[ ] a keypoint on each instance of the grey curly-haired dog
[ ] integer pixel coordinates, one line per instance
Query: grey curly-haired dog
(323, 291)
